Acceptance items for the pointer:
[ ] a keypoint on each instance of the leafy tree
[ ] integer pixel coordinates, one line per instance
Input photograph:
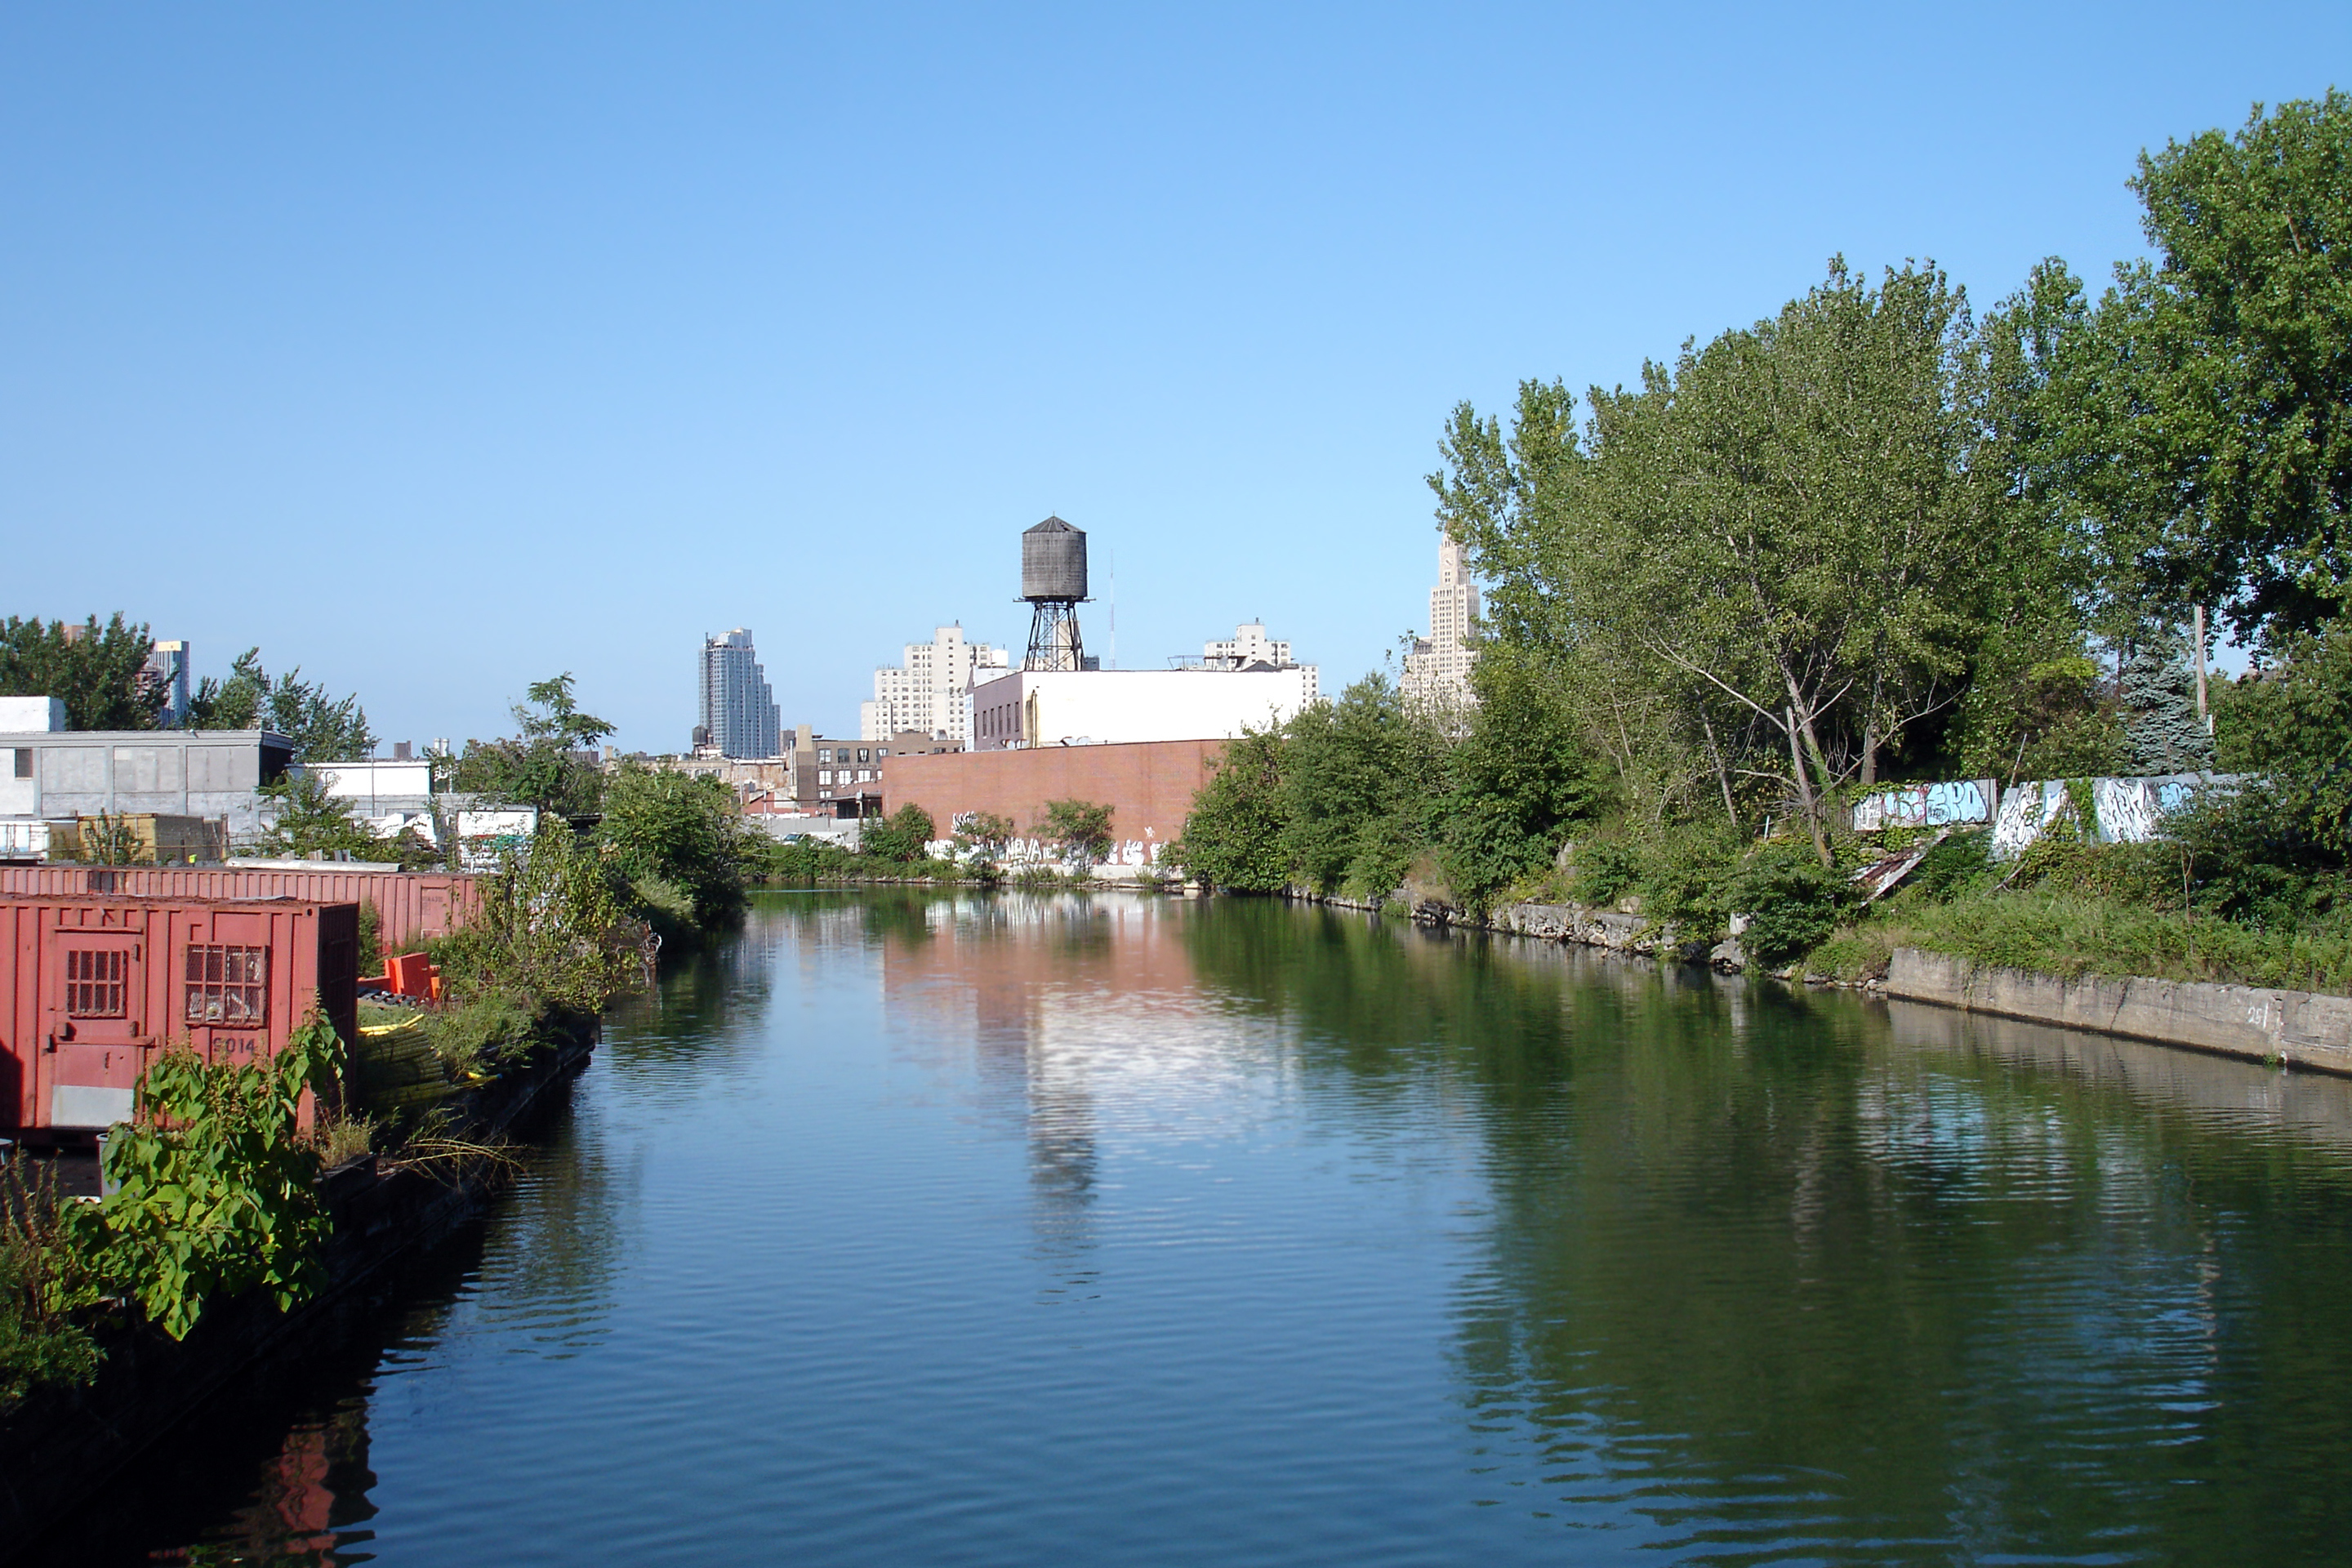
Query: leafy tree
(981, 837)
(2052, 719)
(99, 672)
(2294, 723)
(902, 837)
(1233, 837)
(323, 728)
(1364, 781)
(308, 819)
(1080, 829)
(683, 830)
(551, 764)
(1521, 776)
(2211, 396)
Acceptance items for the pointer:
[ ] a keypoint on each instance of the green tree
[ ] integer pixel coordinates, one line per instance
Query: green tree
(1080, 829)
(99, 672)
(1776, 557)
(981, 837)
(1234, 835)
(323, 728)
(681, 830)
(1521, 776)
(309, 819)
(902, 837)
(2162, 730)
(2211, 395)
(1364, 781)
(551, 762)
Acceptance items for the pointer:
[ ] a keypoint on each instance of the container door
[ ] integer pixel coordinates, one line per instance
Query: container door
(98, 1039)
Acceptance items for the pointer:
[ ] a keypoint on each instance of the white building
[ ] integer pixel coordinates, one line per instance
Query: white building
(932, 691)
(1437, 671)
(1069, 707)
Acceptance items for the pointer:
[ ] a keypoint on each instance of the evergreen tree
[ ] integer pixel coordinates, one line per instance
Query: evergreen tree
(99, 673)
(2162, 732)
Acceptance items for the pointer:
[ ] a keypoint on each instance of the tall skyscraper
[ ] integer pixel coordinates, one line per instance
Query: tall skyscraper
(738, 712)
(1437, 671)
(167, 667)
(931, 692)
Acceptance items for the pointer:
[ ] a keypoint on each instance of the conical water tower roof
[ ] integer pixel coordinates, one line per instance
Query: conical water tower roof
(1052, 525)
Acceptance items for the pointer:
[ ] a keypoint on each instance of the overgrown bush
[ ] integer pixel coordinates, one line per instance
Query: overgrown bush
(215, 1194)
(47, 1288)
(1791, 900)
(681, 830)
(1960, 863)
(900, 838)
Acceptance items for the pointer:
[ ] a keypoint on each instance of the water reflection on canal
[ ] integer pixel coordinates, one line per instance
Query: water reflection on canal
(1111, 1230)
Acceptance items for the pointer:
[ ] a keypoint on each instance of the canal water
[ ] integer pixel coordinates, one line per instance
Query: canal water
(1114, 1230)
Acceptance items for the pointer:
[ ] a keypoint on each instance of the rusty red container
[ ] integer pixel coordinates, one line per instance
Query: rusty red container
(98, 985)
(410, 906)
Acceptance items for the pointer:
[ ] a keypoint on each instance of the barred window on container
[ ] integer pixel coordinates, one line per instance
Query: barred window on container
(228, 985)
(94, 986)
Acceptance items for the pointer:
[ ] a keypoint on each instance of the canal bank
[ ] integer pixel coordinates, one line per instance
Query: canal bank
(2282, 1028)
(65, 1446)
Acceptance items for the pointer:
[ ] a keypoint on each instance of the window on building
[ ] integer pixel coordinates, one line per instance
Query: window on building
(23, 761)
(824, 754)
(862, 755)
(228, 985)
(94, 984)
(881, 752)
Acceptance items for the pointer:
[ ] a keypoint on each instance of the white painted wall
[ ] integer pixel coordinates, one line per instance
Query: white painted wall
(45, 715)
(1121, 705)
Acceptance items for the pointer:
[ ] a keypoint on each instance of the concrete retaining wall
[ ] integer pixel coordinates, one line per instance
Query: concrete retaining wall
(2297, 1028)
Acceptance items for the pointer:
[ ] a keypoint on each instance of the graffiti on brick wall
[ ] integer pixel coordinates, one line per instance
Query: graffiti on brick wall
(1131, 853)
(1950, 803)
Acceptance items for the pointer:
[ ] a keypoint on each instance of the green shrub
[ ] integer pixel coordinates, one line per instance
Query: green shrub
(898, 838)
(1603, 869)
(1959, 865)
(47, 1287)
(1793, 902)
(215, 1194)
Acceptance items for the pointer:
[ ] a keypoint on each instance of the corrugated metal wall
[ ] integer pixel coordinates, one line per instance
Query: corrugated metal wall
(97, 985)
(410, 905)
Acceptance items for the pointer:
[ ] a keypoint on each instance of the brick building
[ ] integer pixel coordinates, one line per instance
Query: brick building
(1148, 785)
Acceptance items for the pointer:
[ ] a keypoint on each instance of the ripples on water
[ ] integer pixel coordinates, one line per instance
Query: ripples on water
(1106, 1230)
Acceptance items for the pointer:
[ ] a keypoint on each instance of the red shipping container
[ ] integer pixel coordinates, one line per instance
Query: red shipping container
(98, 985)
(411, 907)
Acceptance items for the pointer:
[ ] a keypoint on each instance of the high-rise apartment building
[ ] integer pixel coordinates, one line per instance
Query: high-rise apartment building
(932, 691)
(1437, 671)
(739, 711)
(167, 667)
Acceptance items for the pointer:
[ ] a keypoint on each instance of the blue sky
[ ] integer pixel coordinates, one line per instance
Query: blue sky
(441, 348)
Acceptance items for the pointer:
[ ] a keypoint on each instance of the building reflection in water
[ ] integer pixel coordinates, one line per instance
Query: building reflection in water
(1066, 1002)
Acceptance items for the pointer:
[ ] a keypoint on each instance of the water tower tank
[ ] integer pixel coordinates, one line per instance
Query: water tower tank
(1053, 562)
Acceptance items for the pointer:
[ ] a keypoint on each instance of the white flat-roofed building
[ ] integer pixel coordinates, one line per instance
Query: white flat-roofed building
(1066, 707)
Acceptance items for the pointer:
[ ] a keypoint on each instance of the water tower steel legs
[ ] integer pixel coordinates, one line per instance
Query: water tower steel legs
(1053, 641)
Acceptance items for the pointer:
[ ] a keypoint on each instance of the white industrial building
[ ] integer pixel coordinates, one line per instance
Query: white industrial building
(1437, 671)
(51, 771)
(1245, 681)
(930, 691)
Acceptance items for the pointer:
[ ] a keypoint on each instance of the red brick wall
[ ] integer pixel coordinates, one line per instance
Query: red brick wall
(1149, 784)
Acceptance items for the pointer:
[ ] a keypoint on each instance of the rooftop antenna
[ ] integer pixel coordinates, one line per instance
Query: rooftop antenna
(1110, 560)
